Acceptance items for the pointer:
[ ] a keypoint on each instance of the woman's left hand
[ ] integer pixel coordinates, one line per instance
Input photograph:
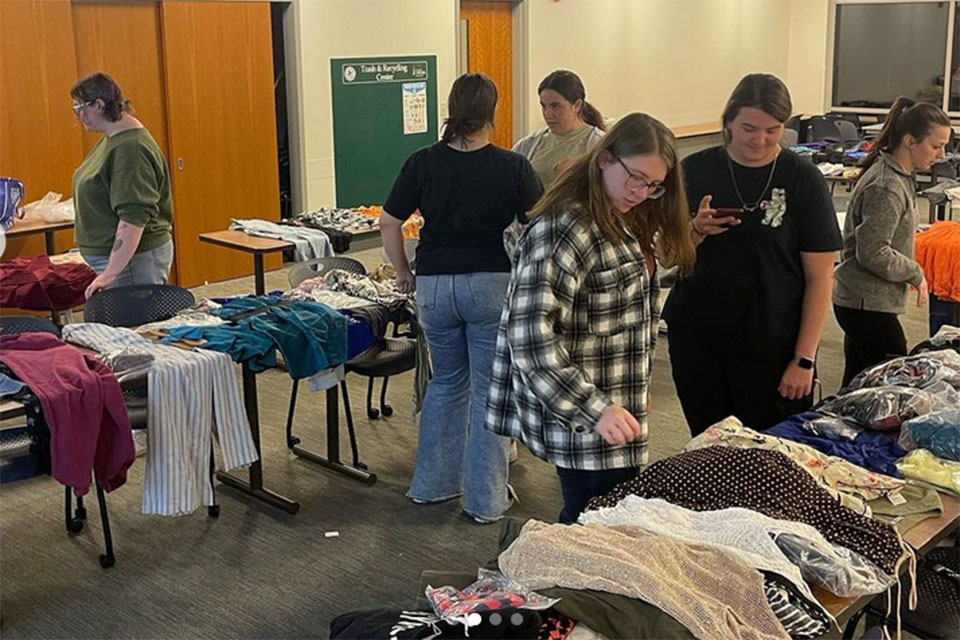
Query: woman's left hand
(99, 283)
(796, 382)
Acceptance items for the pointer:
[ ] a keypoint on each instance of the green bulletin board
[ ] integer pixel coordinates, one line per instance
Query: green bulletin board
(384, 109)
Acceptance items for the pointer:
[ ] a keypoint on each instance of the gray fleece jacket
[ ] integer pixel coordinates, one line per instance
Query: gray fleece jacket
(878, 259)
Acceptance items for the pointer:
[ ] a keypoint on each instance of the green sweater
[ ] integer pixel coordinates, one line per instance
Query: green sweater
(124, 177)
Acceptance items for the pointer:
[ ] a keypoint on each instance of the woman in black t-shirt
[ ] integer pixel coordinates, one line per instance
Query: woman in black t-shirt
(468, 191)
(745, 327)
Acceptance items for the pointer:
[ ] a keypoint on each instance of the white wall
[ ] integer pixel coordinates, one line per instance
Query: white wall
(807, 57)
(351, 28)
(675, 59)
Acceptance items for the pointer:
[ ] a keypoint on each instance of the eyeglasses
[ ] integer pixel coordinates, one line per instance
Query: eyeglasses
(77, 108)
(636, 183)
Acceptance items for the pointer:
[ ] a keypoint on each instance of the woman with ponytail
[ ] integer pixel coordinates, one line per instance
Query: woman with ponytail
(574, 126)
(878, 263)
(575, 350)
(468, 191)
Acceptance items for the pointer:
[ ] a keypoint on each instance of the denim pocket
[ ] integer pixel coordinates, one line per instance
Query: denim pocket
(489, 290)
(427, 292)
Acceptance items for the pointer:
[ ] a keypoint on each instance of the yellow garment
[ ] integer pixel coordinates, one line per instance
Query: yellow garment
(852, 485)
(920, 464)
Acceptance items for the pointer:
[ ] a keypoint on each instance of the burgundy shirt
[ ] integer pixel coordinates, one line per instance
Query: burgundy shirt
(83, 408)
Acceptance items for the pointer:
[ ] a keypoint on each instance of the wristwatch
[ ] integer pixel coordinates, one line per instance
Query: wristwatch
(804, 362)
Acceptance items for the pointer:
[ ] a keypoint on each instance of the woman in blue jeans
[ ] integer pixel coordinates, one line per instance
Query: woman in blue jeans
(468, 191)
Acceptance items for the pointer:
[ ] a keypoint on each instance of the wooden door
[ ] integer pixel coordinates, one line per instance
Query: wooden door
(123, 40)
(490, 51)
(218, 73)
(40, 139)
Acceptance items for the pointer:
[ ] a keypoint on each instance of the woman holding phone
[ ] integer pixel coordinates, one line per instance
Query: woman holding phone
(744, 328)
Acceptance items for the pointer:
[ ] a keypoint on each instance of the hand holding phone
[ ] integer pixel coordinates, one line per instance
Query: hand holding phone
(728, 212)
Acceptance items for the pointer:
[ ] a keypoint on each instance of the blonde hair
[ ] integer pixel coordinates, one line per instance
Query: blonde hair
(662, 224)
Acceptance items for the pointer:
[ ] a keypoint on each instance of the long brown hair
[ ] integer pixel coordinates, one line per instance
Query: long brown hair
(100, 86)
(662, 224)
(906, 117)
(569, 85)
(472, 105)
(760, 91)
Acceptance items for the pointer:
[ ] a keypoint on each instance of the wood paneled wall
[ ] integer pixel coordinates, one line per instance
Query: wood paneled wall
(200, 75)
(40, 139)
(219, 77)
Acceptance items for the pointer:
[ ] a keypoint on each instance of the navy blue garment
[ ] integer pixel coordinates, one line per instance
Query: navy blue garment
(359, 336)
(870, 450)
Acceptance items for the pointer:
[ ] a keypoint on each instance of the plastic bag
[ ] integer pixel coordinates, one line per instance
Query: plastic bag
(50, 209)
(881, 408)
(946, 336)
(923, 465)
(831, 427)
(848, 575)
(919, 371)
(491, 591)
(938, 432)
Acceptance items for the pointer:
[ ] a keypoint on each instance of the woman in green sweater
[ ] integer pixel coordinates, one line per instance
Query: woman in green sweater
(121, 192)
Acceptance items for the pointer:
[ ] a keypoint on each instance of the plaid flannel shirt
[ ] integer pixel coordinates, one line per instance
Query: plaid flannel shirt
(577, 335)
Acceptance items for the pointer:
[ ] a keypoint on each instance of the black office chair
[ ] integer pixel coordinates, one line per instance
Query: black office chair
(386, 357)
(848, 132)
(132, 307)
(137, 305)
(822, 129)
(73, 520)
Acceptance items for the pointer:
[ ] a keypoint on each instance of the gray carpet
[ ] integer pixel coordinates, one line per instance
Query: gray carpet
(257, 572)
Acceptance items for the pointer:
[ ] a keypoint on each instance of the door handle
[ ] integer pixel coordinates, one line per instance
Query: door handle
(180, 164)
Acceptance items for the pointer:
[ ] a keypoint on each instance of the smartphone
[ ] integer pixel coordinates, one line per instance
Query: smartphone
(726, 212)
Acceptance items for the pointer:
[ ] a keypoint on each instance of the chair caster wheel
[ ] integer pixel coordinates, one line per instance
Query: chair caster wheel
(107, 561)
(387, 411)
(213, 511)
(373, 414)
(80, 513)
(75, 526)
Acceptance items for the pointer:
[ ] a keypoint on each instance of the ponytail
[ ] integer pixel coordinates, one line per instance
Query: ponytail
(591, 115)
(472, 104)
(906, 117)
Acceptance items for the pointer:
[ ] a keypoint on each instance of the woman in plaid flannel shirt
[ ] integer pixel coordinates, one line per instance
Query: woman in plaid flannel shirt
(576, 340)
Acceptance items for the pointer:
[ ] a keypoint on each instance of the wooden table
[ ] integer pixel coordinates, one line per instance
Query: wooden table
(923, 537)
(258, 246)
(29, 227)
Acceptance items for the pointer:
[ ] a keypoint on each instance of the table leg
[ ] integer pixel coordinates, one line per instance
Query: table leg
(50, 242)
(254, 486)
(258, 285)
(332, 459)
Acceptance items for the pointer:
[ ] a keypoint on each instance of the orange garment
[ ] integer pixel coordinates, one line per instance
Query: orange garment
(938, 252)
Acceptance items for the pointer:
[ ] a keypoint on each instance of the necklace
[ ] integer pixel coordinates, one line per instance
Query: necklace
(751, 207)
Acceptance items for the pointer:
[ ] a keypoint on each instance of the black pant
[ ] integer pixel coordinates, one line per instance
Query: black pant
(578, 487)
(869, 338)
(713, 384)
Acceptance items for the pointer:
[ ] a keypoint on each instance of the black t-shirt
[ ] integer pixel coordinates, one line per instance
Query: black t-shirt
(746, 292)
(467, 199)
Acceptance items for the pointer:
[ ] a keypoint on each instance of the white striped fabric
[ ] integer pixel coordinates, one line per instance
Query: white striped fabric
(192, 396)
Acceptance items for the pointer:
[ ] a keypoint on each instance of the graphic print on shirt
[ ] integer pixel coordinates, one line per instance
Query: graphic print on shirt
(775, 208)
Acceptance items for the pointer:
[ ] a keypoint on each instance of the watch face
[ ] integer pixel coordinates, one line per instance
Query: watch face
(805, 363)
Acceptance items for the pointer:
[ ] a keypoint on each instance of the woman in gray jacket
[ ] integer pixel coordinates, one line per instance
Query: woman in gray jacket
(878, 259)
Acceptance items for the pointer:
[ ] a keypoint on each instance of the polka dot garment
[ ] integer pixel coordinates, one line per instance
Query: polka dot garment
(765, 481)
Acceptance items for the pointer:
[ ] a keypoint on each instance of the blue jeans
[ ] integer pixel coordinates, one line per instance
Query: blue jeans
(146, 267)
(579, 487)
(456, 455)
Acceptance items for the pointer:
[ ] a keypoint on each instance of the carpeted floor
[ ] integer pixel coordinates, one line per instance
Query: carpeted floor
(257, 572)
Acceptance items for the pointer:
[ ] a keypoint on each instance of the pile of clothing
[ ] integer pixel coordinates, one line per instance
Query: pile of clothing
(309, 244)
(38, 284)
